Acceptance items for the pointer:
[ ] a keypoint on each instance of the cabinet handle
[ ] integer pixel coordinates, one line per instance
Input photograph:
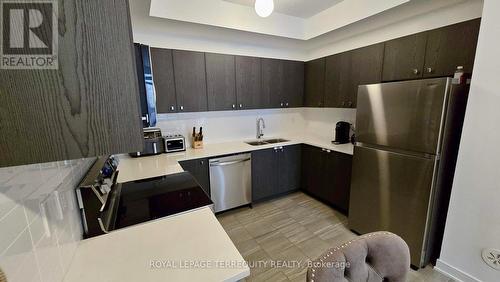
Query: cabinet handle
(430, 70)
(281, 104)
(233, 106)
(172, 108)
(201, 162)
(349, 104)
(286, 104)
(181, 108)
(241, 106)
(416, 71)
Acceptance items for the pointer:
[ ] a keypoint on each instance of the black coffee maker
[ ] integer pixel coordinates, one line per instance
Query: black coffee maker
(342, 133)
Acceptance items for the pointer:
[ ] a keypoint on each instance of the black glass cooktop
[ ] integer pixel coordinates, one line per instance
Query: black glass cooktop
(153, 198)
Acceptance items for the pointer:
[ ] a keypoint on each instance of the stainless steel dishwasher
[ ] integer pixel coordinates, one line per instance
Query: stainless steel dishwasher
(231, 181)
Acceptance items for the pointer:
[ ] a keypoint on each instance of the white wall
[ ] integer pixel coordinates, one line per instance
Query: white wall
(473, 218)
(241, 125)
(40, 223)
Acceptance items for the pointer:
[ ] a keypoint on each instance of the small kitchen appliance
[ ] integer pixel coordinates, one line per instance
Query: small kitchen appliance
(153, 143)
(174, 143)
(342, 133)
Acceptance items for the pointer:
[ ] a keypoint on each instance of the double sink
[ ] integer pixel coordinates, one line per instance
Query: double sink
(266, 141)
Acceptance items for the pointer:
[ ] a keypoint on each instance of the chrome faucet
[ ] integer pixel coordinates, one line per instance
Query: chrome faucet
(260, 128)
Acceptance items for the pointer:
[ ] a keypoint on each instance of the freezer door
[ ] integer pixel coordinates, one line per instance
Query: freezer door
(390, 192)
(401, 115)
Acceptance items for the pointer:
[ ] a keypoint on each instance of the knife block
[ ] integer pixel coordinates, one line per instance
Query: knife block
(197, 144)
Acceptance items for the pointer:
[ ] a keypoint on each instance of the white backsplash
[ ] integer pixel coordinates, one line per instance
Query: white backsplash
(241, 125)
(40, 223)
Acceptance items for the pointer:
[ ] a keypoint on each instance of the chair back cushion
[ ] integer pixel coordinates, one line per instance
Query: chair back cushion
(374, 257)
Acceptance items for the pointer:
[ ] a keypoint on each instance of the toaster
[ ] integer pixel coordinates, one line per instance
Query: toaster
(174, 143)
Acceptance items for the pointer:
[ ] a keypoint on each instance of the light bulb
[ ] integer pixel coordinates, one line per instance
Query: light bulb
(264, 8)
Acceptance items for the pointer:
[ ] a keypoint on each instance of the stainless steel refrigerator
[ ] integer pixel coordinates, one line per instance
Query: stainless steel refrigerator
(407, 135)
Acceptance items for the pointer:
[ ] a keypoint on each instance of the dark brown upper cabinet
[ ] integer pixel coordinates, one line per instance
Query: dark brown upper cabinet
(163, 74)
(283, 82)
(337, 80)
(273, 82)
(190, 81)
(451, 46)
(344, 72)
(314, 83)
(366, 68)
(294, 83)
(248, 84)
(221, 82)
(404, 57)
(89, 105)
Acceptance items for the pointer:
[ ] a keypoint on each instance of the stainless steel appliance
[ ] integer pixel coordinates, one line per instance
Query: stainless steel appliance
(154, 143)
(231, 181)
(408, 135)
(342, 133)
(174, 143)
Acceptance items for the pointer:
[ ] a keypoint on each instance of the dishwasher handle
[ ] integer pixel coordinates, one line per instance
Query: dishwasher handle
(229, 163)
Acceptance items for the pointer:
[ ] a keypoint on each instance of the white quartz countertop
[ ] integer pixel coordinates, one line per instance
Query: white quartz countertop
(131, 169)
(191, 246)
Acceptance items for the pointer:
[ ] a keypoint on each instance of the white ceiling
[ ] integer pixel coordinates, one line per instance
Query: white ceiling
(228, 14)
(296, 8)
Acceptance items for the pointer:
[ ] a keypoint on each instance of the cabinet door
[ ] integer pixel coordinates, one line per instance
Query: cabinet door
(163, 71)
(248, 84)
(314, 83)
(264, 174)
(337, 179)
(273, 82)
(366, 69)
(289, 168)
(190, 81)
(404, 57)
(338, 80)
(312, 165)
(451, 46)
(294, 84)
(89, 105)
(200, 171)
(221, 83)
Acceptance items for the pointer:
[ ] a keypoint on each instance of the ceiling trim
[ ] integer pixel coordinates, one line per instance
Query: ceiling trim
(235, 16)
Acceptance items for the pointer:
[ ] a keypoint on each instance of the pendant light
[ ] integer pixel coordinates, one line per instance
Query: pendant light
(264, 8)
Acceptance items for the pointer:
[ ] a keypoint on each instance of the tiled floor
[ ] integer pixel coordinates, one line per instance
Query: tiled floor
(295, 227)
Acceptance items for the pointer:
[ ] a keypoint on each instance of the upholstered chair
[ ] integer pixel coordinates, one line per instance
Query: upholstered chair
(374, 257)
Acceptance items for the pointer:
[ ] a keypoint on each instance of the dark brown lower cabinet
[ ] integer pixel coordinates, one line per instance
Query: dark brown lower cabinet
(327, 175)
(275, 171)
(200, 171)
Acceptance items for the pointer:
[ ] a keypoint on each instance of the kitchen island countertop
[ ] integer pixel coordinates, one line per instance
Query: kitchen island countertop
(191, 246)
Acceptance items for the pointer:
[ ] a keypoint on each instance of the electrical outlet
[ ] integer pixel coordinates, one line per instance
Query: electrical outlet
(492, 258)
